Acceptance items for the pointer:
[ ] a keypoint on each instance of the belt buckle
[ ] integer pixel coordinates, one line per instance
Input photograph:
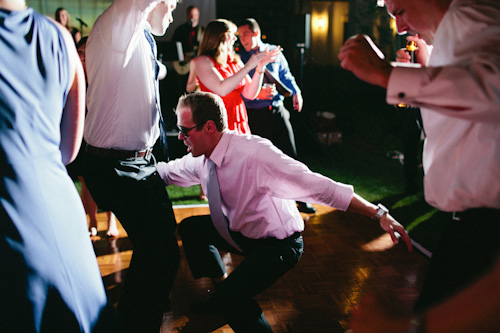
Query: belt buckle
(456, 216)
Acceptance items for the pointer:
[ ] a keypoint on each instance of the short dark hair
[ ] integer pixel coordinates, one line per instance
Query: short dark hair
(205, 106)
(252, 24)
(189, 9)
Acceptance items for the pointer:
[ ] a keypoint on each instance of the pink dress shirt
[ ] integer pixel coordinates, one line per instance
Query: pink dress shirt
(259, 185)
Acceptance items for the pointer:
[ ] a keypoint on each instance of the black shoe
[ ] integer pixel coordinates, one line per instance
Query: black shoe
(306, 208)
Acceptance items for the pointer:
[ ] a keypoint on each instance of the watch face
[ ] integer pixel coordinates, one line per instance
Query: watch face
(380, 212)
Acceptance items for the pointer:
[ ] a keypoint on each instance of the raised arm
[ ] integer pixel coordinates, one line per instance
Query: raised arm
(192, 82)
(214, 81)
(360, 56)
(251, 91)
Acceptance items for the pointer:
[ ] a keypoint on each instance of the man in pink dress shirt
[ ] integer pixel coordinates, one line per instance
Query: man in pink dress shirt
(258, 185)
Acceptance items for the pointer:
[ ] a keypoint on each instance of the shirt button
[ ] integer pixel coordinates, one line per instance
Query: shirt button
(401, 95)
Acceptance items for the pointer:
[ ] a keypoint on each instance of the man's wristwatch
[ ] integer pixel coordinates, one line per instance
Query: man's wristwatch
(380, 212)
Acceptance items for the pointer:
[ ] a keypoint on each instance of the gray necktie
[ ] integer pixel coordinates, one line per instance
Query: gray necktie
(214, 202)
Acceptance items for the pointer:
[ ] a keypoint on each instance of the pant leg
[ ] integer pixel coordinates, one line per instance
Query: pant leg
(145, 211)
(466, 251)
(200, 241)
(411, 145)
(274, 125)
(265, 262)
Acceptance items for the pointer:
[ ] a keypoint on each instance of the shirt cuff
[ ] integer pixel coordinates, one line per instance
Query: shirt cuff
(404, 85)
(342, 197)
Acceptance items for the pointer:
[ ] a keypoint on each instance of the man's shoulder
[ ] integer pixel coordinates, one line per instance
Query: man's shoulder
(252, 143)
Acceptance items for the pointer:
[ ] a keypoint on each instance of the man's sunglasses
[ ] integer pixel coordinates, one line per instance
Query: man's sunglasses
(185, 131)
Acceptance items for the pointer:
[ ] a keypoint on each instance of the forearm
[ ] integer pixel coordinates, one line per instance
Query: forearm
(71, 128)
(222, 86)
(181, 172)
(361, 206)
(73, 115)
(456, 91)
(251, 91)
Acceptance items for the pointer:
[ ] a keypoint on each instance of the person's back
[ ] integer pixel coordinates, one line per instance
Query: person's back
(121, 84)
(121, 128)
(50, 278)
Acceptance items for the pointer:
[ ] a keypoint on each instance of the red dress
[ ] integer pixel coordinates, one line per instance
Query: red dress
(237, 118)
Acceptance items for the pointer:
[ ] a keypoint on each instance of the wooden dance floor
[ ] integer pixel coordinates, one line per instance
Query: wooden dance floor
(345, 256)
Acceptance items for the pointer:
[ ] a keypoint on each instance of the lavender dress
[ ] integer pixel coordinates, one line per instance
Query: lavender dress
(49, 277)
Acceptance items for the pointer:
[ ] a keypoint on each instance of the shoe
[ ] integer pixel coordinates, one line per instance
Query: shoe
(306, 208)
(93, 231)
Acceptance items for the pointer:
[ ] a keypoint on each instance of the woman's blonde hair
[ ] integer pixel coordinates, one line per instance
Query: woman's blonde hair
(213, 38)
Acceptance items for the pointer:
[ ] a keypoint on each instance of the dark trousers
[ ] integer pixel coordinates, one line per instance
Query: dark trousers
(467, 250)
(266, 260)
(411, 132)
(274, 124)
(133, 191)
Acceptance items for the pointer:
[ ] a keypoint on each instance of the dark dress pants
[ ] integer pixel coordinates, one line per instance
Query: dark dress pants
(266, 260)
(144, 209)
(274, 124)
(467, 250)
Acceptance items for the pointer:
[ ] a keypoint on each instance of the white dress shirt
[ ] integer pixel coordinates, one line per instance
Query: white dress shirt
(121, 94)
(459, 96)
(259, 185)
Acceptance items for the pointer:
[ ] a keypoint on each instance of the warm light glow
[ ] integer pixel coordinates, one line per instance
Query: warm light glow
(380, 244)
(394, 28)
(321, 23)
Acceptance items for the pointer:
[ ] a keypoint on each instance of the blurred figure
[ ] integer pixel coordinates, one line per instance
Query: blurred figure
(189, 34)
(457, 89)
(218, 70)
(62, 16)
(123, 123)
(75, 168)
(49, 275)
(475, 309)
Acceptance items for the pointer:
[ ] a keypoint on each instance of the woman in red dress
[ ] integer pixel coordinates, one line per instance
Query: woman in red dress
(218, 70)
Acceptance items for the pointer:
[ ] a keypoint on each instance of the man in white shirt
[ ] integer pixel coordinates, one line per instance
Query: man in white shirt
(258, 188)
(457, 88)
(121, 129)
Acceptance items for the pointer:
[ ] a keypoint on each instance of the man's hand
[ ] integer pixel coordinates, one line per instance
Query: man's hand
(422, 52)
(298, 102)
(391, 226)
(268, 91)
(360, 56)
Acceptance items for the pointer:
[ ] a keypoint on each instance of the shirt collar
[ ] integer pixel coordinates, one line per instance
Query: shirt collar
(221, 148)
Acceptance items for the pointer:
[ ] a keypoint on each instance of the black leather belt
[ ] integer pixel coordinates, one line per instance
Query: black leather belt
(117, 153)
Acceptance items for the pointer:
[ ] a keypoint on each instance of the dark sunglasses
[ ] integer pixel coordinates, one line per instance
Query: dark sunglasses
(185, 131)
